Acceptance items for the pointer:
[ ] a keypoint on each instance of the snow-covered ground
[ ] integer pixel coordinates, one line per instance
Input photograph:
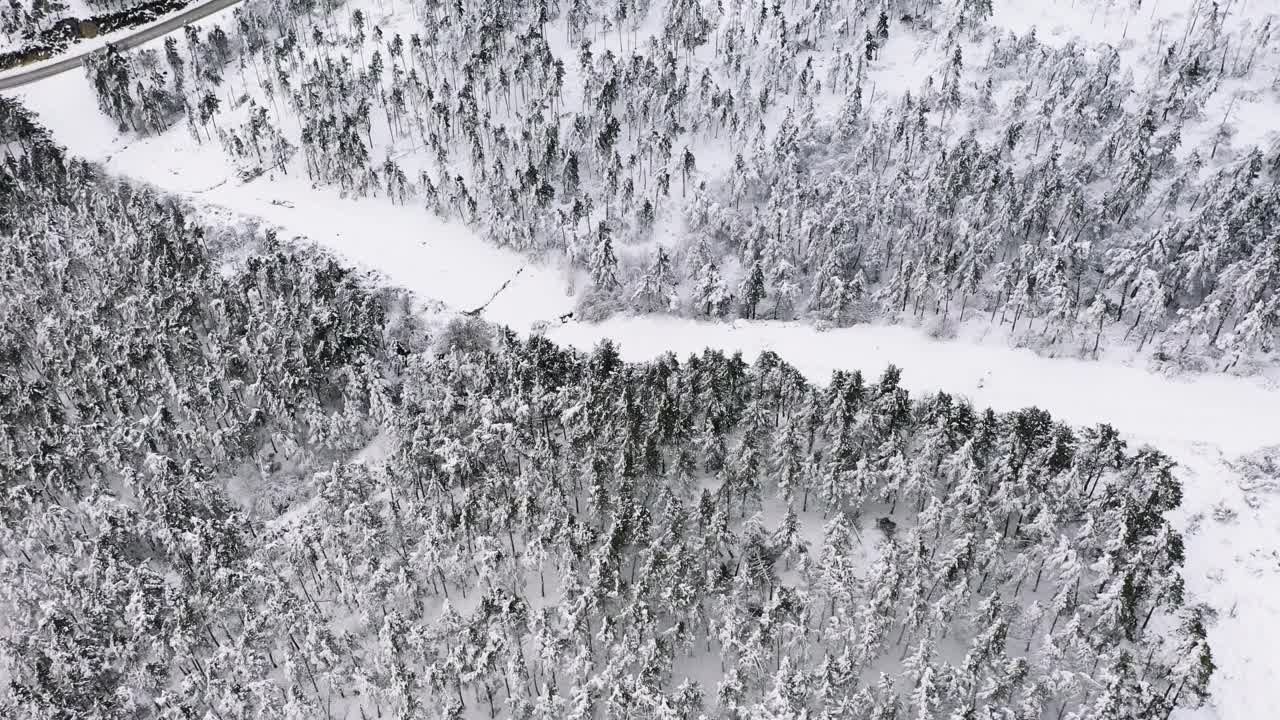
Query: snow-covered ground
(1207, 423)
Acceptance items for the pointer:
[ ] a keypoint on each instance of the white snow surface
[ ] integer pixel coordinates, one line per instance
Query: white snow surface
(1205, 422)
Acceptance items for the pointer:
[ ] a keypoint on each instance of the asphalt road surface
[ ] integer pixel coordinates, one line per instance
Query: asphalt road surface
(18, 77)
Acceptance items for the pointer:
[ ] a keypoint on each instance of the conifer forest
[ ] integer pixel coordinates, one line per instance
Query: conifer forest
(1041, 187)
(249, 473)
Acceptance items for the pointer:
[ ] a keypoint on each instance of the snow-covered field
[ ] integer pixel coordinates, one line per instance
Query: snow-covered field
(1208, 423)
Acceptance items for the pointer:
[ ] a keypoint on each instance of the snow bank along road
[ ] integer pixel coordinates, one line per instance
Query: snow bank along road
(18, 78)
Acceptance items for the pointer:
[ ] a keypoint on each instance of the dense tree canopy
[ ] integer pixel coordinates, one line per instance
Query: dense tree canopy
(239, 482)
(1036, 186)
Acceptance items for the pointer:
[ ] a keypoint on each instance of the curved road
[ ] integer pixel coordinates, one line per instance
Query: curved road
(18, 77)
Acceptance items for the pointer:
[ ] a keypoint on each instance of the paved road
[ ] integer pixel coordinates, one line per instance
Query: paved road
(18, 77)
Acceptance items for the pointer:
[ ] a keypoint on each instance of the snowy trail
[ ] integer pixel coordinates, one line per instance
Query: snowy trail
(1204, 422)
(435, 258)
(1235, 414)
(446, 261)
